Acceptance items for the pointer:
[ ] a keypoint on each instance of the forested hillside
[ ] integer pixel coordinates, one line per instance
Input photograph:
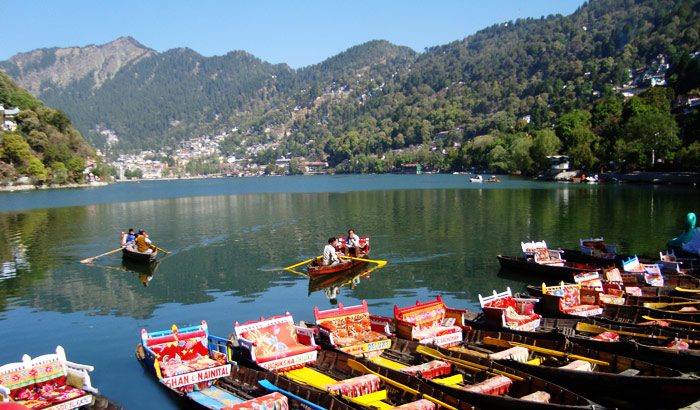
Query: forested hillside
(503, 98)
(38, 141)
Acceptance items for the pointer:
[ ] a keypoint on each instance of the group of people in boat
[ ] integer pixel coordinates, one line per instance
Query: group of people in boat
(137, 242)
(332, 252)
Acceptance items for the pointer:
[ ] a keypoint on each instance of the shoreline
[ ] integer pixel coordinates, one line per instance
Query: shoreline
(13, 188)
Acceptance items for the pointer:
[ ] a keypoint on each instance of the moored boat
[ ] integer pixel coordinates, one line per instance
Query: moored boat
(607, 378)
(293, 354)
(563, 271)
(476, 179)
(51, 381)
(486, 384)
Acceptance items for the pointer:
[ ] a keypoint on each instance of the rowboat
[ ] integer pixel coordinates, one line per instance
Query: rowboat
(563, 271)
(476, 179)
(50, 381)
(663, 346)
(139, 257)
(609, 379)
(316, 267)
(292, 353)
(189, 362)
(479, 381)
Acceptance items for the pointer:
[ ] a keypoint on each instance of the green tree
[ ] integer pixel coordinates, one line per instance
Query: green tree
(544, 144)
(520, 153)
(59, 173)
(36, 169)
(16, 149)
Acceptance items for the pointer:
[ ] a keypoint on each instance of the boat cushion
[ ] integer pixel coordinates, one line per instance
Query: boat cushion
(678, 344)
(355, 387)
(350, 330)
(538, 396)
(496, 386)
(422, 404)
(607, 337)
(39, 384)
(429, 370)
(580, 365)
(279, 352)
(273, 339)
(273, 401)
(517, 313)
(517, 353)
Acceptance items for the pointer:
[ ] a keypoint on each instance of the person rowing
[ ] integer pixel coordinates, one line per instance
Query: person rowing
(143, 243)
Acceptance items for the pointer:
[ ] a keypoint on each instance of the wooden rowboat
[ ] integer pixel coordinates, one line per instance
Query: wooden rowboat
(528, 267)
(138, 256)
(610, 379)
(316, 267)
(477, 380)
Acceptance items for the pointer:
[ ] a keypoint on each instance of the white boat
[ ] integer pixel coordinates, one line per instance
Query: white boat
(476, 179)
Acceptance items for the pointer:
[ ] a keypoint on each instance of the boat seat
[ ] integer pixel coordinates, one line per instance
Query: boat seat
(569, 295)
(421, 404)
(47, 381)
(353, 330)
(430, 322)
(277, 343)
(503, 310)
(539, 253)
(355, 387)
(429, 370)
(498, 385)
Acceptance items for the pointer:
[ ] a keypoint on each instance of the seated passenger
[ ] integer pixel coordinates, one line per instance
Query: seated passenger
(329, 255)
(352, 243)
(143, 244)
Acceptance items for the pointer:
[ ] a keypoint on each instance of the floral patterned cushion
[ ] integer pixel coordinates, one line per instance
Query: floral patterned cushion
(348, 326)
(496, 386)
(429, 370)
(607, 337)
(273, 340)
(421, 404)
(274, 401)
(425, 318)
(355, 387)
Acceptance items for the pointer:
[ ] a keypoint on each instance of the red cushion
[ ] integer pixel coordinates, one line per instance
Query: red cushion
(291, 351)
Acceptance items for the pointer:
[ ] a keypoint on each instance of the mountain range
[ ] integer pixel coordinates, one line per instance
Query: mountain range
(372, 98)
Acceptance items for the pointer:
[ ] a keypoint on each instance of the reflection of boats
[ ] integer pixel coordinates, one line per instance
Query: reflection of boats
(476, 179)
(138, 256)
(145, 271)
(493, 178)
(339, 279)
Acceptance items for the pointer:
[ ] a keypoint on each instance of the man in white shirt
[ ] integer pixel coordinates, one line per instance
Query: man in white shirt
(352, 243)
(329, 255)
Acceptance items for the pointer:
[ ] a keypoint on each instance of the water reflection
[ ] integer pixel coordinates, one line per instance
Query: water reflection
(444, 240)
(331, 284)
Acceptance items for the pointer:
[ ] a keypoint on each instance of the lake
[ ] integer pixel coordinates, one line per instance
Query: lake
(228, 240)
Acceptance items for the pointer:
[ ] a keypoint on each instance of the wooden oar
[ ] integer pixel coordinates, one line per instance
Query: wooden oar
(355, 365)
(363, 260)
(88, 260)
(162, 250)
(300, 263)
(550, 352)
(682, 322)
(474, 366)
(590, 328)
(269, 386)
(680, 289)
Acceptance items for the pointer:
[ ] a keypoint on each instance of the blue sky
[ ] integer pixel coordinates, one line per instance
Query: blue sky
(298, 33)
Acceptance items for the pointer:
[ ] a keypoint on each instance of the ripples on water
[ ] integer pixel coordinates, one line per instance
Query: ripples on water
(229, 238)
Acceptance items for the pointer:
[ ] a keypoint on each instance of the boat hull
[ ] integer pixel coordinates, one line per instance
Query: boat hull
(139, 257)
(564, 273)
(317, 270)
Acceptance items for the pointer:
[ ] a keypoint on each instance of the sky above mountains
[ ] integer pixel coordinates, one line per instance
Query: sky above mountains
(299, 33)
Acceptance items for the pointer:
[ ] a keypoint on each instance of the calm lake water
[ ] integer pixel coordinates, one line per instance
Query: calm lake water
(229, 238)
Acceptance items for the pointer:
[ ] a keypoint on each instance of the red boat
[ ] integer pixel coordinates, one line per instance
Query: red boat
(316, 267)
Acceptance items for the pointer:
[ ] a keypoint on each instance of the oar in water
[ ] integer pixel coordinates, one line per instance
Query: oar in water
(363, 260)
(269, 386)
(355, 365)
(162, 250)
(88, 260)
(681, 322)
(473, 366)
(543, 350)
